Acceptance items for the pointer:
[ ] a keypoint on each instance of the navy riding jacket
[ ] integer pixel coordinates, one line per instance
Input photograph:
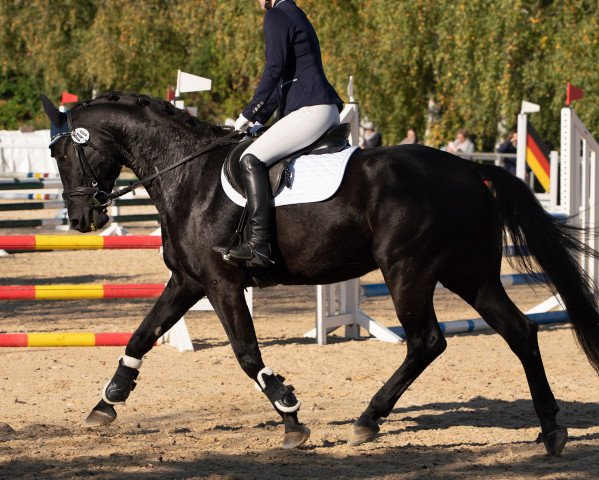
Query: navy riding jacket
(294, 76)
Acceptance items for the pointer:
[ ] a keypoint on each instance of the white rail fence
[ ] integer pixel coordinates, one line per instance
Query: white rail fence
(579, 182)
(24, 152)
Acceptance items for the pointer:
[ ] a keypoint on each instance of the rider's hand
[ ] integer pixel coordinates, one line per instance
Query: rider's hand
(242, 123)
(256, 127)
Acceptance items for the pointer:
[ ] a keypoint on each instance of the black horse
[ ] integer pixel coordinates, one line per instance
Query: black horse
(419, 214)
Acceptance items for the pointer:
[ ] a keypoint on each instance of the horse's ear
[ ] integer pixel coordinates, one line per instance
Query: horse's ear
(56, 117)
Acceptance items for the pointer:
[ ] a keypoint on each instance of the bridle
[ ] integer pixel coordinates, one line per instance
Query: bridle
(101, 199)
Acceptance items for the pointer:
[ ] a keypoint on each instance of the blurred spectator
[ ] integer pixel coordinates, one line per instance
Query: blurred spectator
(462, 143)
(509, 145)
(372, 138)
(411, 137)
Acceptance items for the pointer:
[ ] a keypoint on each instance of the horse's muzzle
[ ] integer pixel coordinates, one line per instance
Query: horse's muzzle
(90, 221)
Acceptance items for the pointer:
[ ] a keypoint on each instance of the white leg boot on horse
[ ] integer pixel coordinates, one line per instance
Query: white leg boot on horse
(180, 294)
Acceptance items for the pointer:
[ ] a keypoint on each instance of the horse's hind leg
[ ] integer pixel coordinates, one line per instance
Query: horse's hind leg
(179, 295)
(489, 298)
(414, 306)
(520, 333)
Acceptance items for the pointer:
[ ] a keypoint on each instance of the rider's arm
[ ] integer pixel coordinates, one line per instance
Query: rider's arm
(278, 31)
(266, 112)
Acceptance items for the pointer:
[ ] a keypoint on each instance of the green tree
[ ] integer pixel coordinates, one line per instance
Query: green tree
(476, 59)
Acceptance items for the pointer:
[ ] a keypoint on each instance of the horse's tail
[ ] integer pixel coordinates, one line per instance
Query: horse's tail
(555, 247)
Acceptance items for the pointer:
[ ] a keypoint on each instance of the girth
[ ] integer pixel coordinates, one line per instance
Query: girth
(334, 140)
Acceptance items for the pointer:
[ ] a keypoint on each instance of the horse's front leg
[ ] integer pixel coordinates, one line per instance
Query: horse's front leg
(179, 295)
(229, 304)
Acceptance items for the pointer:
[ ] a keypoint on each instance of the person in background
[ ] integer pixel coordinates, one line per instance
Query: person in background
(509, 145)
(462, 143)
(411, 137)
(372, 138)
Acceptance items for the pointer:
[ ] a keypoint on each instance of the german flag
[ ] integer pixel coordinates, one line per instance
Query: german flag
(537, 156)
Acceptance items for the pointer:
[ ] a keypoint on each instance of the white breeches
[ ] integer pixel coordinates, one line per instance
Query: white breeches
(294, 132)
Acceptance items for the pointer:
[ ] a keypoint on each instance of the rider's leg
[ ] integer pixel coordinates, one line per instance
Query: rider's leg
(293, 132)
(254, 175)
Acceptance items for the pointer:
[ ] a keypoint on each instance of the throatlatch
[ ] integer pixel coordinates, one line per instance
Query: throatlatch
(279, 394)
(117, 390)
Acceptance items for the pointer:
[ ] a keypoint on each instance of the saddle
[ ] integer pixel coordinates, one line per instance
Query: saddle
(334, 140)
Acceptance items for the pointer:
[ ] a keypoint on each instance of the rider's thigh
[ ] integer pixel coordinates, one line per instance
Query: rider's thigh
(294, 132)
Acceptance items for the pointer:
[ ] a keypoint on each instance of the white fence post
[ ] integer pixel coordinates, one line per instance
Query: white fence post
(580, 182)
(578, 195)
(339, 304)
(327, 296)
(521, 149)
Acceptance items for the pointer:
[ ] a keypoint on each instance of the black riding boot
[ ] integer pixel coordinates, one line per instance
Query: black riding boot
(256, 250)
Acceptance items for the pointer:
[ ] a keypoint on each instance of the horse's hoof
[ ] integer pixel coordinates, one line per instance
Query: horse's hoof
(295, 436)
(364, 432)
(102, 414)
(555, 441)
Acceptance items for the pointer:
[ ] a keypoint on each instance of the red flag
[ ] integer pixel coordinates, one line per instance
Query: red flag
(69, 98)
(573, 93)
(170, 94)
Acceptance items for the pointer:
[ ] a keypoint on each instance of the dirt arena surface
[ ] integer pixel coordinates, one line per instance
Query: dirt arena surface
(196, 415)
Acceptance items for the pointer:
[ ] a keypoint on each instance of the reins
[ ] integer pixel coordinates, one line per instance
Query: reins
(102, 199)
(219, 142)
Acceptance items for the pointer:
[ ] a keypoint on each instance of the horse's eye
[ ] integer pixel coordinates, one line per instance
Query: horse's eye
(61, 159)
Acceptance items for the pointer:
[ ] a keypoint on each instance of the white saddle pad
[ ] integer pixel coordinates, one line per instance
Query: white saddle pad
(314, 178)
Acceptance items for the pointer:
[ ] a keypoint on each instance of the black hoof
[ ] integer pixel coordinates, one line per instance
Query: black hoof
(102, 414)
(555, 441)
(364, 431)
(295, 436)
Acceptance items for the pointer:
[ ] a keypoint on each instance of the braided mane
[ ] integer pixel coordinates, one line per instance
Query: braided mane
(159, 105)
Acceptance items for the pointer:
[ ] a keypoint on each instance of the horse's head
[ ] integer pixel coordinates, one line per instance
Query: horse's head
(89, 162)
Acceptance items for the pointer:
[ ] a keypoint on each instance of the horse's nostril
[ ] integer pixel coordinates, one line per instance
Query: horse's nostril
(74, 223)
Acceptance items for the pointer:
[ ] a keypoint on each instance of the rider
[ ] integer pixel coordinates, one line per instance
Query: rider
(294, 81)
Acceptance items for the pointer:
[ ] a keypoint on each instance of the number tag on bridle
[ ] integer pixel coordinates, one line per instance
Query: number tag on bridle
(80, 135)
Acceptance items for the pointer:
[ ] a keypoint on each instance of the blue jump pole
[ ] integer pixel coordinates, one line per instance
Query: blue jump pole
(477, 324)
(380, 289)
